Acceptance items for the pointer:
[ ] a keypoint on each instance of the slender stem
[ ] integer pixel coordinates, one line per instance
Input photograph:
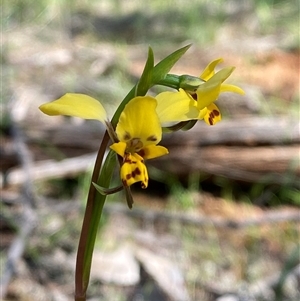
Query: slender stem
(170, 80)
(80, 287)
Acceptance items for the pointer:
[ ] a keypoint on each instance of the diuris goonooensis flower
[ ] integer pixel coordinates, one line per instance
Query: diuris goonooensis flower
(198, 104)
(138, 130)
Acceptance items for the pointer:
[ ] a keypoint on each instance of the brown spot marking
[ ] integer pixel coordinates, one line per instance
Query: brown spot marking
(127, 160)
(135, 172)
(142, 153)
(152, 138)
(210, 120)
(128, 176)
(126, 136)
(194, 95)
(216, 113)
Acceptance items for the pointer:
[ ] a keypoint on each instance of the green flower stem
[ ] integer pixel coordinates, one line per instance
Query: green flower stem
(171, 81)
(91, 220)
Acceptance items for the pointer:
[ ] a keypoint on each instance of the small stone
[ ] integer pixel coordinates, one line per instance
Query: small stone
(118, 267)
(228, 297)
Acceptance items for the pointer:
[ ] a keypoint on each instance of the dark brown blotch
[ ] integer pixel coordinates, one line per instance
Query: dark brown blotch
(136, 172)
(126, 136)
(152, 138)
(216, 113)
(194, 95)
(142, 153)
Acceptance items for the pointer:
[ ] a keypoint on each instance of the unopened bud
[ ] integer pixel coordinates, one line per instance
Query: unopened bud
(190, 83)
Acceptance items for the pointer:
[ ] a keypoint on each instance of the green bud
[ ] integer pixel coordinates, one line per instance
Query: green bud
(190, 83)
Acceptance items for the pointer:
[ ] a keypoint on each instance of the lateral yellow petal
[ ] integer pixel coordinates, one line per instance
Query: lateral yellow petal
(77, 105)
(119, 148)
(176, 107)
(232, 88)
(153, 151)
(209, 71)
(140, 120)
(213, 115)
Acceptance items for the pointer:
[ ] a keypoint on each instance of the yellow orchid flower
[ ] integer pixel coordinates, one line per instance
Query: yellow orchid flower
(139, 131)
(182, 105)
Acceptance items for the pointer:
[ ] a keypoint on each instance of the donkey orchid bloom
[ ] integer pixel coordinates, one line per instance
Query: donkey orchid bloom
(199, 104)
(139, 131)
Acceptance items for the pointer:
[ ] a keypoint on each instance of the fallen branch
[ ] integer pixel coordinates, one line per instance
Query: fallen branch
(249, 131)
(50, 169)
(257, 164)
(268, 164)
(270, 217)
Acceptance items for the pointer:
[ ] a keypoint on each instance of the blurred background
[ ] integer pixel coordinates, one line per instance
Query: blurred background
(220, 218)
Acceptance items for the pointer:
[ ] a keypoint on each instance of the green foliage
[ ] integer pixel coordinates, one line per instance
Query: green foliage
(155, 21)
(145, 81)
(290, 264)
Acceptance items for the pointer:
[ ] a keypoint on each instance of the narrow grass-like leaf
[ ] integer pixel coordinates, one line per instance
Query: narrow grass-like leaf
(107, 191)
(144, 83)
(122, 105)
(164, 66)
(190, 124)
(159, 72)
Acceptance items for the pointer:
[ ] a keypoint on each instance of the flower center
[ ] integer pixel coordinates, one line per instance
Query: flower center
(134, 145)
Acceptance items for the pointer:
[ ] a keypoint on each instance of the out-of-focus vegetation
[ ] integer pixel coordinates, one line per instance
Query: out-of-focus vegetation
(158, 22)
(52, 47)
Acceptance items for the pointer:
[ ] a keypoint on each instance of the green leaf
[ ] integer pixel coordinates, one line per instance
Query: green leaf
(128, 97)
(164, 66)
(189, 125)
(140, 89)
(144, 83)
(107, 191)
(129, 198)
(159, 72)
(175, 127)
(103, 181)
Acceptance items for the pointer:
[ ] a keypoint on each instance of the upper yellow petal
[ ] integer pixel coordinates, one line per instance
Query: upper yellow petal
(139, 120)
(176, 107)
(207, 93)
(209, 71)
(77, 105)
